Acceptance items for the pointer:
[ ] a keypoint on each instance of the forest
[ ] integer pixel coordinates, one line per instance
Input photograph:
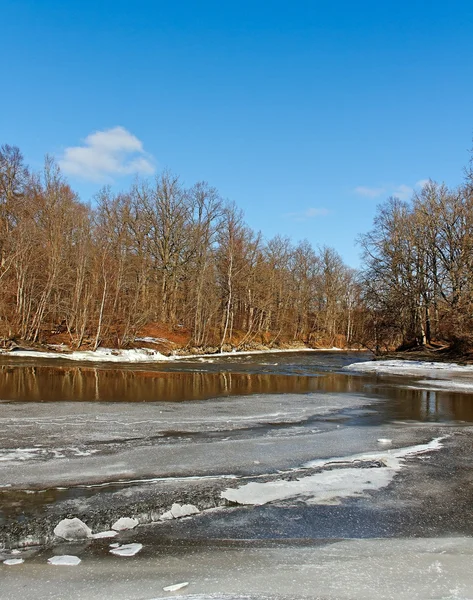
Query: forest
(100, 274)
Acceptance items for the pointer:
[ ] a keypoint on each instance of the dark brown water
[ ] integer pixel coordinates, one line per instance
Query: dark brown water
(241, 375)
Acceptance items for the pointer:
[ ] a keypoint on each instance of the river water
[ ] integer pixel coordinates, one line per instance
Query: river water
(301, 469)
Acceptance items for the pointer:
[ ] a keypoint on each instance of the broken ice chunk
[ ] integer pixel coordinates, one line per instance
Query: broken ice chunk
(183, 510)
(176, 587)
(125, 523)
(72, 529)
(179, 510)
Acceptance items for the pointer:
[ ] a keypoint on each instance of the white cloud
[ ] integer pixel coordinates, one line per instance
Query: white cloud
(422, 183)
(309, 213)
(403, 192)
(369, 192)
(107, 154)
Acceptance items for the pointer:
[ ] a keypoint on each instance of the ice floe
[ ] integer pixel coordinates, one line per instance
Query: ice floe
(330, 486)
(125, 523)
(410, 367)
(13, 561)
(176, 586)
(65, 560)
(127, 549)
(72, 529)
(444, 376)
(441, 385)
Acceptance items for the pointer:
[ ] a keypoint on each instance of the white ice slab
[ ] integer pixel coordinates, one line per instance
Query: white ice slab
(13, 561)
(176, 586)
(440, 385)
(411, 367)
(65, 560)
(104, 534)
(127, 549)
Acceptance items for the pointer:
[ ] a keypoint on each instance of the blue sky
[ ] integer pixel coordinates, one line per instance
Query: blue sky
(306, 113)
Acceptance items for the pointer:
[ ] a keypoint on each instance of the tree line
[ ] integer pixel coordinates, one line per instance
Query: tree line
(159, 252)
(184, 257)
(418, 268)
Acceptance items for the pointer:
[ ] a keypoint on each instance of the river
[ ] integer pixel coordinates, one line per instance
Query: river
(311, 480)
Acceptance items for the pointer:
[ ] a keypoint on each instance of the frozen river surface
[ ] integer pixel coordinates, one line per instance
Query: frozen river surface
(308, 477)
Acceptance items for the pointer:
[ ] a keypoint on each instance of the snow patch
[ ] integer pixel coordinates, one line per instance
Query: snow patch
(66, 560)
(100, 355)
(329, 487)
(72, 529)
(125, 523)
(143, 355)
(127, 550)
(152, 340)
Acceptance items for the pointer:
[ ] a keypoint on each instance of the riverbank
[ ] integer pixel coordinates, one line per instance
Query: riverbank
(143, 355)
(447, 354)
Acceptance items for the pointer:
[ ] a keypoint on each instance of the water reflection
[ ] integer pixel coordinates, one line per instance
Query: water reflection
(74, 383)
(425, 405)
(85, 384)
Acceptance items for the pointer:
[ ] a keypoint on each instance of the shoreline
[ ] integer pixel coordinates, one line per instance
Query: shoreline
(148, 355)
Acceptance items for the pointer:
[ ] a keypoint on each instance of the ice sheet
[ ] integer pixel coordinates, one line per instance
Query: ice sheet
(331, 486)
(411, 367)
